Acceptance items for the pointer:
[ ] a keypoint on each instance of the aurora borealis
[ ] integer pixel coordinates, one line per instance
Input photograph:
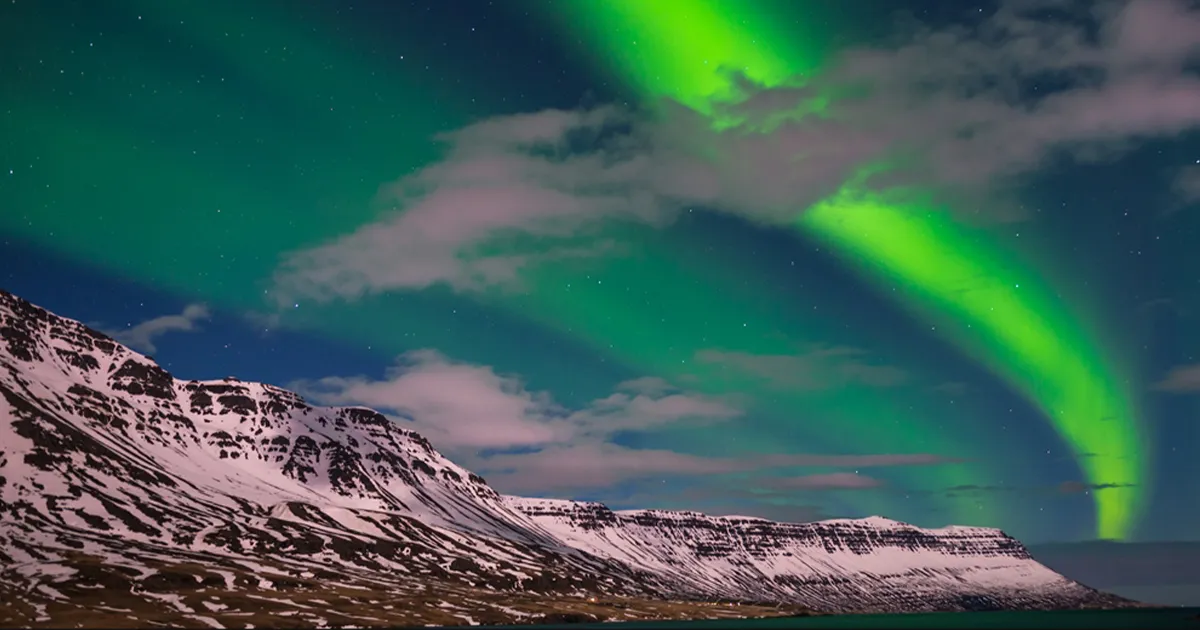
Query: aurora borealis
(705, 254)
(972, 293)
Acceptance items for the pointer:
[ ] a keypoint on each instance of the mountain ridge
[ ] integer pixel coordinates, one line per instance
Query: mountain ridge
(105, 454)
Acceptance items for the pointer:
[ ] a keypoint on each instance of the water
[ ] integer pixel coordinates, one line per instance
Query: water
(1130, 618)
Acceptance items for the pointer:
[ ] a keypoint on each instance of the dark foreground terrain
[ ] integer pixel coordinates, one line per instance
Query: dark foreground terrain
(191, 596)
(131, 498)
(1124, 618)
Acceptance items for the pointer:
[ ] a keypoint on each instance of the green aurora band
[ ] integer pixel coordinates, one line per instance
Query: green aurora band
(718, 301)
(985, 302)
(121, 169)
(651, 342)
(151, 151)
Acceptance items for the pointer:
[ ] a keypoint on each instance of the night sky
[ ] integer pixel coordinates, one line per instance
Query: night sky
(938, 261)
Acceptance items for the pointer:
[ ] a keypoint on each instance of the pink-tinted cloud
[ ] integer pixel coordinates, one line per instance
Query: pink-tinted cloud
(963, 109)
(456, 405)
(828, 481)
(855, 461)
(463, 407)
(455, 221)
(957, 111)
(1187, 184)
(1183, 379)
(590, 465)
(818, 368)
(571, 467)
(524, 441)
(141, 336)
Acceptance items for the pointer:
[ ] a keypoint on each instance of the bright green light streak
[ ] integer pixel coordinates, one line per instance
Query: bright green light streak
(655, 42)
(237, 139)
(1006, 319)
(1023, 335)
(660, 304)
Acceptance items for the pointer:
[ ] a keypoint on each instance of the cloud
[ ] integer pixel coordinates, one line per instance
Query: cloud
(649, 385)
(463, 406)
(141, 336)
(1036, 79)
(1187, 184)
(1079, 487)
(525, 442)
(972, 489)
(1181, 380)
(454, 404)
(828, 481)
(264, 321)
(635, 410)
(597, 464)
(821, 368)
(571, 467)
(951, 388)
(858, 461)
(1065, 488)
(462, 220)
(959, 111)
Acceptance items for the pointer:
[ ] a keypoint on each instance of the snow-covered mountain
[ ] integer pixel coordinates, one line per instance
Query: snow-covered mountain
(870, 564)
(116, 477)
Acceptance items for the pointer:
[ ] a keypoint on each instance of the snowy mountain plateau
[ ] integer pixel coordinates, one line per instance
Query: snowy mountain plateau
(129, 496)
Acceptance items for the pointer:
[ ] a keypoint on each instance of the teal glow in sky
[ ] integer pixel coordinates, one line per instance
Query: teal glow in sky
(974, 294)
(697, 304)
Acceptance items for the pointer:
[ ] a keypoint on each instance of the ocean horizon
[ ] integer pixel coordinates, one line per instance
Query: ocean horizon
(1168, 617)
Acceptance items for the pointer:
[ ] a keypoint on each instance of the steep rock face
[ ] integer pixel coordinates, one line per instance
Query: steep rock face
(864, 564)
(104, 454)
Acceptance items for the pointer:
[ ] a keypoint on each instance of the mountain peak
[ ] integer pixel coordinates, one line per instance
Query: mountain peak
(108, 460)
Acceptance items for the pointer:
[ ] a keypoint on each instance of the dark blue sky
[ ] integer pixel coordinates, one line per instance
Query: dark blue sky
(284, 171)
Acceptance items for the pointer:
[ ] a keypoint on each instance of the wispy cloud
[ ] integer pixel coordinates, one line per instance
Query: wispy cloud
(600, 464)
(1183, 379)
(1064, 488)
(969, 107)
(506, 177)
(1187, 184)
(524, 441)
(141, 336)
(819, 368)
(567, 468)
(827, 481)
(857, 461)
(1079, 487)
(465, 406)
(960, 111)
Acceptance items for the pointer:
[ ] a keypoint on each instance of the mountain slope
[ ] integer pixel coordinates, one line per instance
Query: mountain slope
(116, 477)
(869, 564)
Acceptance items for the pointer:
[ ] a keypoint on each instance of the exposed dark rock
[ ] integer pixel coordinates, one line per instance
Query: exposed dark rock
(564, 618)
(239, 404)
(140, 378)
(235, 475)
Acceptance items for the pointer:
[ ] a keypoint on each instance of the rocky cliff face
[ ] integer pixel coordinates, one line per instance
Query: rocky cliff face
(114, 474)
(864, 564)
